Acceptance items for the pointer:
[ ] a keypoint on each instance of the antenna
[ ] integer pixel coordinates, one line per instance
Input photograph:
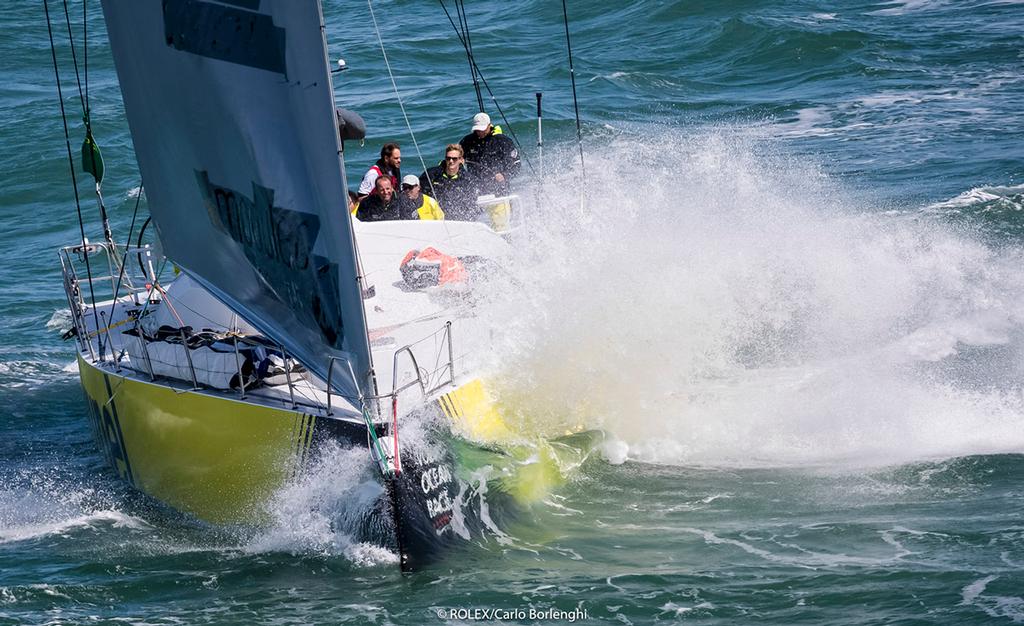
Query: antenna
(540, 135)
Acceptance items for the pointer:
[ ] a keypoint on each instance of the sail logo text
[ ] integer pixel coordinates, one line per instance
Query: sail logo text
(278, 242)
(252, 223)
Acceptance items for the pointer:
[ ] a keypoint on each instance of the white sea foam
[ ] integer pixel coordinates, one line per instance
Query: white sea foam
(907, 6)
(816, 121)
(978, 195)
(1011, 607)
(46, 509)
(679, 610)
(730, 307)
(319, 511)
(112, 518)
(801, 558)
(29, 374)
(614, 451)
(60, 320)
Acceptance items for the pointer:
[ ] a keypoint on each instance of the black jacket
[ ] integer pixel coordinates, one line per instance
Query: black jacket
(489, 155)
(456, 195)
(407, 209)
(373, 209)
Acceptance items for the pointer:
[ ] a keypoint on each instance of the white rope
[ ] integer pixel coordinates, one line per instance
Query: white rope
(394, 85)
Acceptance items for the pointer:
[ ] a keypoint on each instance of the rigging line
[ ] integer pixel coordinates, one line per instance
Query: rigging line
(401, 105)
(483, 79)
(83, 98)
(394, 85)
(124, 257)
(152, 288)
(460, 10)
(74, 59)
(167, 301)
(572, 76)
(85, 50)
(71, 164)
(463, 26)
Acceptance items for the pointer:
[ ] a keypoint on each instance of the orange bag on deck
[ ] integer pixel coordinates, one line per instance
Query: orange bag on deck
(431, 268)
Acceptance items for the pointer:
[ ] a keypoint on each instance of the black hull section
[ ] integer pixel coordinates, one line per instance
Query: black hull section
(423, 497)
(420, 498)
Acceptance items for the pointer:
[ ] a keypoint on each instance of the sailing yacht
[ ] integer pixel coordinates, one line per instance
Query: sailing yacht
(269, 322)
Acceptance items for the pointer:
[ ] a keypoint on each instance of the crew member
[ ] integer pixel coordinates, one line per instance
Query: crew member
(416, 205)
(379, 205)
(493, 156)
(353, 202)
(389, 163)
(452, 186)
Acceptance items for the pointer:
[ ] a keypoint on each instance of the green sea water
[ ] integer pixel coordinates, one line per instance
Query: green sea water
(793, 300)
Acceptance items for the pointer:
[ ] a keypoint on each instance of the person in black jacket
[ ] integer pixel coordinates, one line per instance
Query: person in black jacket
(381, 204)
(451, 184)
(492, 155)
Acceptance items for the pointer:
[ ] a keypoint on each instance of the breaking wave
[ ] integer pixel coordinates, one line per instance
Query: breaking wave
(715, 302)
(320, 512)
(45, 508)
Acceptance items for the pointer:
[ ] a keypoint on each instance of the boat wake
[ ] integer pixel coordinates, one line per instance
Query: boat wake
(715, 303)
(44, 509)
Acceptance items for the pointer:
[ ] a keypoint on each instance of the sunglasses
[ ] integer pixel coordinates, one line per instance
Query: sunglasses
(454, 158)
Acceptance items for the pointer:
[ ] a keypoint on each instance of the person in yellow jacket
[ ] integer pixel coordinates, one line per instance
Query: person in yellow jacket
(416, 205)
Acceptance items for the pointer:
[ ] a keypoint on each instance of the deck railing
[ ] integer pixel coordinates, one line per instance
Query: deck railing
(429, 381)
(115, 282)
(104, 284)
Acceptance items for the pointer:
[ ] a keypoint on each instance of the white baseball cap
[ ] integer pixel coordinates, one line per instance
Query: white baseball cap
(481, 121)
(411, 180)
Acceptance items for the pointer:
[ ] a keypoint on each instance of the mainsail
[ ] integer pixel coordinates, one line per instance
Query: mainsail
(232, 115)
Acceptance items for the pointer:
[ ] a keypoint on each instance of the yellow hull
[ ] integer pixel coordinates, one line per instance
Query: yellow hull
(213, 457)
(221, 459)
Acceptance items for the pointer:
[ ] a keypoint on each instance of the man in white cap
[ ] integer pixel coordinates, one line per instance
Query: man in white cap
(492, 156)
(415, 205)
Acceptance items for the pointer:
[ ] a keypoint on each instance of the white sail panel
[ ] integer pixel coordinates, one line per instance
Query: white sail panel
(232, 116)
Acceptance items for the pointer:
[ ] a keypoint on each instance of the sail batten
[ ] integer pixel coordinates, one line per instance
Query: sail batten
(232, 115)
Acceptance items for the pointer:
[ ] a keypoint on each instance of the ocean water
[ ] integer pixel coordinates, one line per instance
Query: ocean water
(792, 296)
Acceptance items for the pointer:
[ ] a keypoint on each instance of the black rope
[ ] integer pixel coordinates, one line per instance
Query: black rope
(83, 97)
(460, 9)
(142, 231)
(74, 59)
(497, 106)
(572, 75)
(85, 51)
(71, 163)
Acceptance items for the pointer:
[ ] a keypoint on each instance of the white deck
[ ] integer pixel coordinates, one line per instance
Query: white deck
(434, 326)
